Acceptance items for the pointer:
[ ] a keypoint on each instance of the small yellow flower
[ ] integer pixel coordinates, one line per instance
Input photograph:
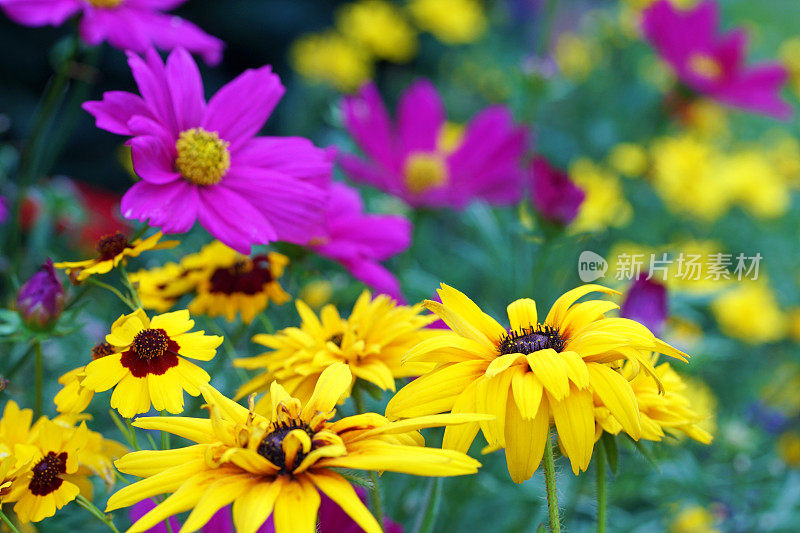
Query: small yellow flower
(113, 250)
(628, 159)
(450, 21)
(530, 374)
(228, 282)
(275, 460)
(317, 293)
(576, 56)
(750, 312)
(330, 58)
(372, 342)
(670, 411)
(605, 204)
(789, 448)
(693, 519)
(380, 27)
(149, 365)
(160, 288)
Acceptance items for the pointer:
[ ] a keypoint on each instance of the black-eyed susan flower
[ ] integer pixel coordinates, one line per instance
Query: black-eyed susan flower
(372, 341)
(149, 366)
(228, 282)
(668, 412)
(530, 374)
(74, 397)
(113, 250)
(52, 481)
(277, 459)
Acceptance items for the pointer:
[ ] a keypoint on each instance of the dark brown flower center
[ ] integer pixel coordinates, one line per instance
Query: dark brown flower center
(247, 276)
(151, 352)
(531, 340)
(337, 339)
(101, 350)
(271, 446)
(46, 474)
(111, 246)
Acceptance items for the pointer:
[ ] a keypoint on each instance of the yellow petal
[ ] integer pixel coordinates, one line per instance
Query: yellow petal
(448, 348)
(296, 507)
(461, 325)
(416, 460)
(252, 508)
(617, 395)
(576, 368)
(218, 495)
(525, 440)
(551, 371)
(490, 398)
(230, 409)
(195, 429)
(522, 314)
(104, 373)
(131, 396)
(559, 310)
(459, 437)
(146, 463)
(501, 363)
(528, 391)
(466, 308)
(332, 384)
(342, 493)
(574, 418)
(167, 481)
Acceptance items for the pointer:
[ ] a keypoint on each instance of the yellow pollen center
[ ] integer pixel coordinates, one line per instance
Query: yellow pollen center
(425, 171)
(105, 3)
(203, 158)
(705, 66)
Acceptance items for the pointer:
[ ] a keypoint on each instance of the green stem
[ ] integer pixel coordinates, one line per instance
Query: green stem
(113, 290)
(550, 484)
(132, 433)
(19, 364)
(164, 435)
(602, 503)
(100, 515)
(375, 500)
(37, 410)
(433, 497)
(546, 27)
(131, 289)
(8, 522)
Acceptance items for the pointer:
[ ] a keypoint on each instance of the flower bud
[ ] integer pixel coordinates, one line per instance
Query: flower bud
(646, 303)
(41, 300)
(553, 194)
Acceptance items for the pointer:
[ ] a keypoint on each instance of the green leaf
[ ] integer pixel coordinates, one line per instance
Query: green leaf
(10, 322)
(355, 479)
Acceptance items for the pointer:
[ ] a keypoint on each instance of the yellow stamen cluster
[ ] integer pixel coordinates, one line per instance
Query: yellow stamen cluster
(705, 66)
(203, 158)
(105, 3)
(424, 171)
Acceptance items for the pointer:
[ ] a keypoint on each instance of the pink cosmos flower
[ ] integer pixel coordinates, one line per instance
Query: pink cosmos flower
(359, 241)
(132, 25)
(553, 194)
(203, 162)
(426, 161)
(711, 63)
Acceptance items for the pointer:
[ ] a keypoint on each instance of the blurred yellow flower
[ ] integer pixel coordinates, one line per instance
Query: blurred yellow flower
(332, 59)
(576, 56)
(794, 324)
(755, 184)
(783, 150)
(451, 21)
(788, 446)
(380, 27)
(160, 288)
(628, 159)
(693, 519)
(316, 293)
(789, 54)
(642, 4)
(605, 204)
(707, 119)
(750, 312)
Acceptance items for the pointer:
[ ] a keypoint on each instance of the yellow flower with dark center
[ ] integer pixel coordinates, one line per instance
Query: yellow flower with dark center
(149, 365)
(52, 479)
(670, 411)
(372, 342)
(228, 282)
(74, 397)
(113, 250)
(160, 288)
(530, 374)
(10, 471)
(275, 459)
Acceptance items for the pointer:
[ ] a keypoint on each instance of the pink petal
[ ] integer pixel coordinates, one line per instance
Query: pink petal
(169, 32)
(172, 207)
(151, 77)
(421, 116)
(293, 156)
(114, 111)
(367, 120)
(186, 88)
(232, 219)
(40, 12)
(152, 161)
(240, 109)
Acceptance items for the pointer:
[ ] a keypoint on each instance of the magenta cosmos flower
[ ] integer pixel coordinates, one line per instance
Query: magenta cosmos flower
(359, 241)
(132, 25)
(553, 194)
(428, 162)
(711, 63)
(202, 161)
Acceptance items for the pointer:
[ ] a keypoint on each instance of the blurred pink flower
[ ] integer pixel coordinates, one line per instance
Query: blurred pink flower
(711, 63)
(133, 25)
(204, 162)
(427, 162)
(553, 194)
(3, 210)
(646, 302)
(360, 241)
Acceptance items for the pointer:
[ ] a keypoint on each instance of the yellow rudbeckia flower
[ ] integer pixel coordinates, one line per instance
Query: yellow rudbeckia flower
(372, 341)
(112, 251)
(277, 460)
(10, 471)
(530, 374)
(149, 365)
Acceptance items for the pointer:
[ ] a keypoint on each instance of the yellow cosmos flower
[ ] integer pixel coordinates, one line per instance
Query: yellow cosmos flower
(50, 483)
(671, 410)
(113, 250)
(228, 282)
(149, 365)
(372, 342)
(529, 374)
(276, 459)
